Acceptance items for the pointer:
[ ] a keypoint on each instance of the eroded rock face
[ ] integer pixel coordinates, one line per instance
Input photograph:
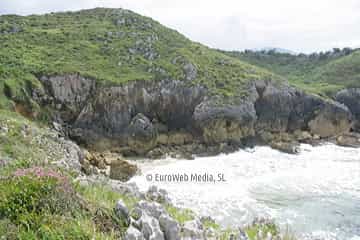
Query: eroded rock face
(142, 134)
(69, 93)
(273, 107)
(224, 122)
(170, 102)
(333, 119)
(285, 109)
(351, 99)
(143, 115)
(114, 112)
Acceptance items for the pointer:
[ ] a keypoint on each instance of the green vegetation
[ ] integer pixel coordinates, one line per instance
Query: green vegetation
(179, 214)
(265, 228)
(104, 196)
(322, 73)
(23, 143)
(209, 223)
(43, 202)
(111, 46)
(40, 203)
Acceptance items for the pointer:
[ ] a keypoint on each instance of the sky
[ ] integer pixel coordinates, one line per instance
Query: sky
(298, 25)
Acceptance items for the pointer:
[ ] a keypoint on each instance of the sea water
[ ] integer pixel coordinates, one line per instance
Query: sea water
(315, 193)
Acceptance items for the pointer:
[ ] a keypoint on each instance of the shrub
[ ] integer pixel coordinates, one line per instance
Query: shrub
(106, 221)
(262, 227)
(29, 194)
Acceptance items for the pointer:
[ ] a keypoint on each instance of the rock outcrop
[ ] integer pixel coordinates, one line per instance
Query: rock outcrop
(351, 98)
(68, 94)
(221, 122)
(122, 170)
(349, 140)
(331, 120)
(142, 134)
(140, 116)
(193, 229)
(285, 109)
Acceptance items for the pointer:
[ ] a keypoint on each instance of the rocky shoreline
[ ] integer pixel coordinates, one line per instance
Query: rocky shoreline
(83, 92)
(169, 117)
(150, 218)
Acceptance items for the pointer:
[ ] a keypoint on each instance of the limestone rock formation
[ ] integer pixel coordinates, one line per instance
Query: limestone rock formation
(333, 119)
(351, 98)
(140, 116)
(122, 170)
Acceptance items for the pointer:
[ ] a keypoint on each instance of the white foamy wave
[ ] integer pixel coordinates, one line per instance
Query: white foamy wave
(316, 192)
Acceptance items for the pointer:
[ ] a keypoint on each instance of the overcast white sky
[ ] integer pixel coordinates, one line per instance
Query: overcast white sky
(301, 25)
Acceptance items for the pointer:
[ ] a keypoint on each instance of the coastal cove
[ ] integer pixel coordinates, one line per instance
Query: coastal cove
(315, 193)
(116, 127)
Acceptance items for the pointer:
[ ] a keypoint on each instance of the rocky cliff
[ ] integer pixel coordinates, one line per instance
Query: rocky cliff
(119, 81)
(141, 116)
(351, 98)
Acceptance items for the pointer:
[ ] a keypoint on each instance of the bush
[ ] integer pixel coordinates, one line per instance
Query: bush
(30, 194)
(40, 203)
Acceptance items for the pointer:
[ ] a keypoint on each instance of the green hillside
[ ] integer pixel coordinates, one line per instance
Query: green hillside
(344, 71)
(322, 73)
(111, 46)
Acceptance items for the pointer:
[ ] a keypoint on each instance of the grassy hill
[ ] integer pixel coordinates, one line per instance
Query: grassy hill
(111, 46)
(322, 73)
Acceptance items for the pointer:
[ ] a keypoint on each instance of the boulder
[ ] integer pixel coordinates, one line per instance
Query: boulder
(142, 134)
(127, 189)
(156, 153)
(133, 234)
(121, 210)
(302, 135)
(122, 170)
(331, 120)
(193, 230)
(95, 159)
(157, 195)
(153, 209)
(349, 140)
(243, 235)
(351, 99)
(287, 147)
(170, 227)
(150, 228)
